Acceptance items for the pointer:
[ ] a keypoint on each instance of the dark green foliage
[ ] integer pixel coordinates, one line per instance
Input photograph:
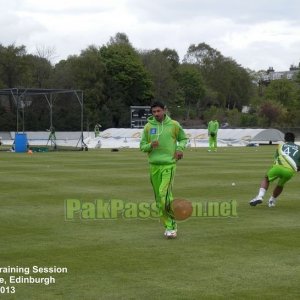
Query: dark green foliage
(162, 68)
(115, 76)
(191, 84)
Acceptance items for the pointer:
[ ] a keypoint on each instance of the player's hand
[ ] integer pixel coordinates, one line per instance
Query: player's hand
(178, 155)
(154, 144)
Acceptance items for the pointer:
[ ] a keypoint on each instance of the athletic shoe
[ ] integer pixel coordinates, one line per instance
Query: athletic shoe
(167, 230)
(256, 201)
(272, 203)
(171, 234)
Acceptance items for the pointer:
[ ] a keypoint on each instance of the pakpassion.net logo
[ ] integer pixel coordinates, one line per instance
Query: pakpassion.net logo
(114, 209)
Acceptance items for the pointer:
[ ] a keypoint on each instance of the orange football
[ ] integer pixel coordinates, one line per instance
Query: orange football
(182, 209)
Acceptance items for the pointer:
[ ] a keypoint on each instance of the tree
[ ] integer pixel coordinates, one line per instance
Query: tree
(202, 55)
(13, 68)
(85, 72)
(126, 81)
(234, 117)
(272, 113)
(162, 67)
(214, 113)
(7, 119)
(39, 72)
(281, 90)
(119, 38)
(172, 56)
(231, 83)
(297, 96)
(191, 84)
(240, 86)
(12, 65)
(48, 53)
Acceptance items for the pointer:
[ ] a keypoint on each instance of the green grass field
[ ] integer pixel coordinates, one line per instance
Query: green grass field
(252, 256)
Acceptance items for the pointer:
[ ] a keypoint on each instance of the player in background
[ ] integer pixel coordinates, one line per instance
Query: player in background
(286, 164)
(52, 137)
(213, 127)
(97, 130)
(164, 140)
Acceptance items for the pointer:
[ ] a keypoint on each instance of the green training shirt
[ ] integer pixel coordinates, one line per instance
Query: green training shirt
(213, 126)
(288, 155)
(170, 136)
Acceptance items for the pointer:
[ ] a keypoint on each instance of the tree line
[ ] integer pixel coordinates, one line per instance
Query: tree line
(115, 76)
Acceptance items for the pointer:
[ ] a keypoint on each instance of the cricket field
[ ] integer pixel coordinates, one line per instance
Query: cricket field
(60, 238)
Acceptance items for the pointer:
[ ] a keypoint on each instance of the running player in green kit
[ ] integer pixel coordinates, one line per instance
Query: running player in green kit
(164, 140)
(286, 164)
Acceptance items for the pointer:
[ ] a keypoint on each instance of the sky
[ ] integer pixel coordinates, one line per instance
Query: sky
(257, 34)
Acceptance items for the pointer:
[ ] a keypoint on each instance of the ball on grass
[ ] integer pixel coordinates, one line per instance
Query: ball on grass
(182, 209)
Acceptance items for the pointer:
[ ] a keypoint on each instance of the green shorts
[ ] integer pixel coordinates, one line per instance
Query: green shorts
(284, 174)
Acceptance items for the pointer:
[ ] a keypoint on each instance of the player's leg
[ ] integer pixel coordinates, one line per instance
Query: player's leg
(276, 192)
(210, 143)
(261, 192)
(155, 178)
(215, 143)
(166, 196)
(162, 178)
(284, 176)
(274, 173)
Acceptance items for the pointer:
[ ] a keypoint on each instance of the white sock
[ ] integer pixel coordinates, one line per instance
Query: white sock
(272, 199)
(261, 193)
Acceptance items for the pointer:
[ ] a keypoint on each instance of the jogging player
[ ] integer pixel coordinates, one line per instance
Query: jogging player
(164, 140)
(286, 164)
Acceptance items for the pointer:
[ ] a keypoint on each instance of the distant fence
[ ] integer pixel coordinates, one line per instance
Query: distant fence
(130, 138)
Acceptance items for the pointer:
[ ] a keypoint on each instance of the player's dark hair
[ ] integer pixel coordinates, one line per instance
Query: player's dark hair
(289, 137)
(158, 104)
